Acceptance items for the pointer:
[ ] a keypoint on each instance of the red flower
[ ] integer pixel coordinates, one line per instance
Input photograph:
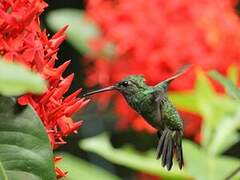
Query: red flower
(22, 40)
(156, 37)
(145, 176)
(192, 125)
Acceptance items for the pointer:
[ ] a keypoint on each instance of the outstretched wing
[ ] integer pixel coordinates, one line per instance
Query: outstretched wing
(164, 84)
(159, 98)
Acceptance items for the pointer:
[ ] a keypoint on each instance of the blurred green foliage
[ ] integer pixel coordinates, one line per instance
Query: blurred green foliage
(216, 111)
(81, 31)
(129, 157)
(16, 79)
(78, 168)
(228, 84)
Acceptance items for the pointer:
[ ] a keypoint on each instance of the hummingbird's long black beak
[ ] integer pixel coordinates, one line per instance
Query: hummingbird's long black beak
(110, 88)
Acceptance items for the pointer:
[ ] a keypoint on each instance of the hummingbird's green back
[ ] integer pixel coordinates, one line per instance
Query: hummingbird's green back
(142, 100)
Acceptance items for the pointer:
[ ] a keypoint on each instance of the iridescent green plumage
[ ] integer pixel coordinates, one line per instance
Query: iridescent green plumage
(142, 98)
(152, 103)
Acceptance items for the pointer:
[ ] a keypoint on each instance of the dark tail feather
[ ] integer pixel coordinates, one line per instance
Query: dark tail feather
(170, 143)
(179, 152)
(160, 143)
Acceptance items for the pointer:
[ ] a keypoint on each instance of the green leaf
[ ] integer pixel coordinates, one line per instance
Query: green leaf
(232, 74)
(186, 101)
(226, 134)
(131, 158)
(231, 89)
(77, 167)
(214, 108)
(3, 175)
(236, 175)
(16, 80)
(25, 151)
(80, 32)
(204, 166)
(211, 106)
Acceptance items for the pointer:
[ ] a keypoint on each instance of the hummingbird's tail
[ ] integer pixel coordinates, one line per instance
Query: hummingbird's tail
(170, 143)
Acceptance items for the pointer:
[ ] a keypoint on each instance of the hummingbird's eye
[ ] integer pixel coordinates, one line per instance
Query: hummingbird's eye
(124, 83)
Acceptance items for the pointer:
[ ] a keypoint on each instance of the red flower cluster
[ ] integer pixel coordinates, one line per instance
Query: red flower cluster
(156, 37)
(22, 40)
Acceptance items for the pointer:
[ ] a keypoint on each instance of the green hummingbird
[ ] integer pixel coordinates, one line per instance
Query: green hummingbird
(152, 103)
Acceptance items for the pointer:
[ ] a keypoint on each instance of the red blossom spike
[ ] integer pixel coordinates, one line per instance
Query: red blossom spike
(72, 96)
(55, 43)
(57, 159)
(43, 37)
(23, 100)
(52, 139)
(67, 81)
(50, 72)
(74, 108)
(44, 98)
(55, 112)
(55, 72)
(60, 32)
(28, 18)
(63, 86)
(60, 173)
(70, 103)
(84, 103)
(61, 141)
(63, 125)
(9, 19)
(51, 53)
(76, 126)
(50, 131)
(63, 67)
(51, 63)
(39, 62)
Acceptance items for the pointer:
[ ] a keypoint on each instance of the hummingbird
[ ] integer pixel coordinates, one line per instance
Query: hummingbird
(153, 104)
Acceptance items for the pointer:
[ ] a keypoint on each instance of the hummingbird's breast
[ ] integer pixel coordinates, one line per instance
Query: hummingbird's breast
(144, 104)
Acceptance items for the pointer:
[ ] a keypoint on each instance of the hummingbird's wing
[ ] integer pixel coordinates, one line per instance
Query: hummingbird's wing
(159, 97)
(164, 84)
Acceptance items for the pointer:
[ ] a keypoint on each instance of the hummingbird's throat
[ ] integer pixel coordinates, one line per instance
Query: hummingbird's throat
(110, 88)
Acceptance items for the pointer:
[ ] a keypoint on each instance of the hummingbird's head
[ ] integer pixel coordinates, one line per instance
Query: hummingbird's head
(128, 86)
(131, 84)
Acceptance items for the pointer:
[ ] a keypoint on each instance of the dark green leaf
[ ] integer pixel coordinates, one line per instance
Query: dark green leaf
(16, 79)
(25, 152)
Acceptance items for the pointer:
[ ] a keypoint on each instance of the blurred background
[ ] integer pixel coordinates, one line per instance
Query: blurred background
(107, 40)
